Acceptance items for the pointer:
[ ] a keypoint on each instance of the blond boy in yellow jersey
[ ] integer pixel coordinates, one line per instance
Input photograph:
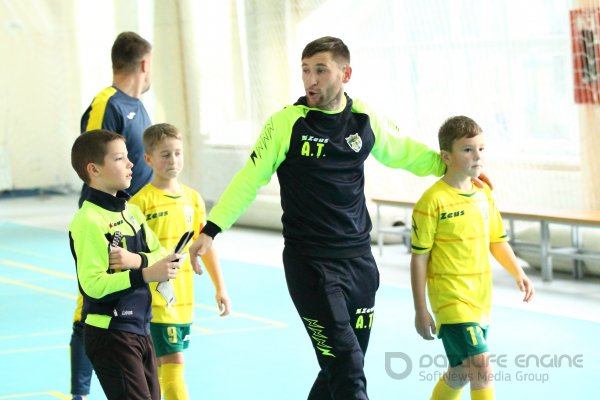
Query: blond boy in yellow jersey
(171, 209)
(455, 226)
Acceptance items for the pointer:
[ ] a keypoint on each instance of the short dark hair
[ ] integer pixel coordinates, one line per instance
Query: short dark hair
(455, 128)
(155, 134)
(91, 147)
(128, 50)
(338, 49)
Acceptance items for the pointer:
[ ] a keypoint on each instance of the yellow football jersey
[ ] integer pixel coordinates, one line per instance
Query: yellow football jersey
(170, 216)
(457, 228)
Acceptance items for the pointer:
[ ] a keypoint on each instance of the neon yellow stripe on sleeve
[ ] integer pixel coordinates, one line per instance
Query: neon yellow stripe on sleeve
(98, 108)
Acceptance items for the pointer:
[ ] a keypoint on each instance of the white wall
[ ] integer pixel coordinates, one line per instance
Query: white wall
(218, 73)
(39, 77)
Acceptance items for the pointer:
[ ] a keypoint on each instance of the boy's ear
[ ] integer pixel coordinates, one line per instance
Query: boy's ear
(92, 169)
(445, 155)
(148, 159)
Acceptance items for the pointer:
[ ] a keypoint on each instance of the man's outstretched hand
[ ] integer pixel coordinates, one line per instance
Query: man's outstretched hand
(200, 246)
(483, 178)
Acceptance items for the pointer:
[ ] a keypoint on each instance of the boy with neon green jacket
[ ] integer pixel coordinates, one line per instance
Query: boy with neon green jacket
(116, 255)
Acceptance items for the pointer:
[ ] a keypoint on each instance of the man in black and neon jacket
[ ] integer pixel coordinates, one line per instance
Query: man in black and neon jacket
(318, 148)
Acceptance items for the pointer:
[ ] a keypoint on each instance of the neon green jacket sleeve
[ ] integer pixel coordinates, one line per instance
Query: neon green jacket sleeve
(268, 153)
(397, 151)
(90, 246)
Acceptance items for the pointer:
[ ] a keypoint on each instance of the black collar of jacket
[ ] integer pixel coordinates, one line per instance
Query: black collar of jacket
(302, 101)
(107, 201)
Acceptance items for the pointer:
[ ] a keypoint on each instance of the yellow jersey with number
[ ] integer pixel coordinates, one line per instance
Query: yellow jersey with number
(170, 216)
(456, 228)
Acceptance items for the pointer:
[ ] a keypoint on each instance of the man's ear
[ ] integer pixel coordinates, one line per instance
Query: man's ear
(144, 65)
(347, 73)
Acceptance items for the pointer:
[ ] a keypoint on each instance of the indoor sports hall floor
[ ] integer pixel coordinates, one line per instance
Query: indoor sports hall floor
(549, 349)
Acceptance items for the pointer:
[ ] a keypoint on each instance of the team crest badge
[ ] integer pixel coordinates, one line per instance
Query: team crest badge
(188, 212)
(355, 142)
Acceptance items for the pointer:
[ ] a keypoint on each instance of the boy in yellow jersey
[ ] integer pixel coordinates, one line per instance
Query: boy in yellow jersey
(455, 226)
(171, 209)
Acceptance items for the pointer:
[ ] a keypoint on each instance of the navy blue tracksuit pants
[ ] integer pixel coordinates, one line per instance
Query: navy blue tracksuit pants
(335, 299)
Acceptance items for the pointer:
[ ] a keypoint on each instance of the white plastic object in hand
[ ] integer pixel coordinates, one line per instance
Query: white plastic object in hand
(166, 290)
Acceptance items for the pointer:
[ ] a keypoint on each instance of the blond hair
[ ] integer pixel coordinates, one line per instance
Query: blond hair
(157, 133)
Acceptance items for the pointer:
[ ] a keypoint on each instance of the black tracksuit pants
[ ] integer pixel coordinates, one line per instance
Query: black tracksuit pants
(124, 363)
(335, 299)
